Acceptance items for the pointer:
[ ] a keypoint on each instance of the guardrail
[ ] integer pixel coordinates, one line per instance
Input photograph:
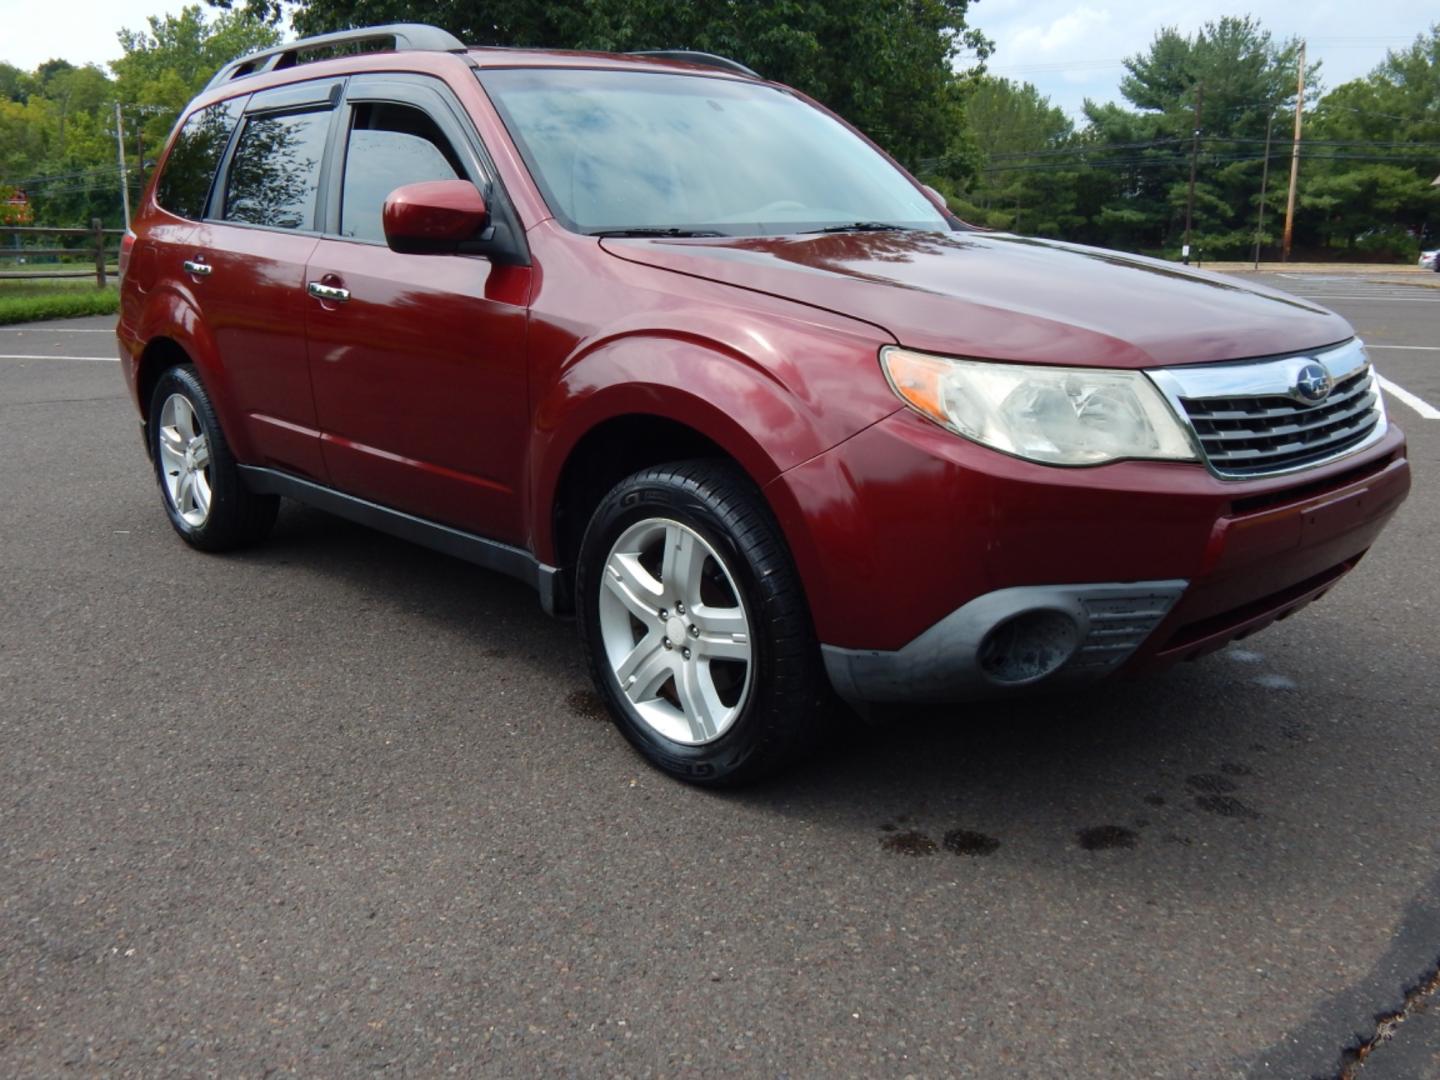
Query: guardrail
(96, 250)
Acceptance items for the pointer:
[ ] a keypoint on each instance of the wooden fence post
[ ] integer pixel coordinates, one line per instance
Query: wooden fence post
(99, 227)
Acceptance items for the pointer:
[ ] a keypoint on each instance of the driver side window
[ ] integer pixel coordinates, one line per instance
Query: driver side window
(389, 146)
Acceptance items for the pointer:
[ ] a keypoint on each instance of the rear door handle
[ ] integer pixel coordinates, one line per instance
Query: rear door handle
(199, 269)
(328, 292)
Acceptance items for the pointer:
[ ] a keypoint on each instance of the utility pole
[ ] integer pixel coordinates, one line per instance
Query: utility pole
(1264, 187)
(1194, 153)
(120, 157)
(1294, 161)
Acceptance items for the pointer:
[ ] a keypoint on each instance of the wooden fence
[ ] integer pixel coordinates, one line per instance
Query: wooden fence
(96, 250)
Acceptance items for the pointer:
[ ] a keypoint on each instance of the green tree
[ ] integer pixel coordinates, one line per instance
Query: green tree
(166, 65)
(57, 123)
(1029, 178)
(183, 51)
(1372, 150)
(15, 85)
(888, 68)
(1227, 80)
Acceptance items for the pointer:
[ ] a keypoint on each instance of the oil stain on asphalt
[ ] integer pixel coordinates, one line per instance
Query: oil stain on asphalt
(585, 703)
(965, 842)
(1106, 837)
(1214, 793)
(1226, 806)
(915, 844)
(1210, 783)
(911, 843)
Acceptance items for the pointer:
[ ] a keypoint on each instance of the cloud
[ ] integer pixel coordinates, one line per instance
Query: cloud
(1045, 40)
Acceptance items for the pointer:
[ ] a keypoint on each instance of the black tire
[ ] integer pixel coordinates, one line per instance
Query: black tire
(236, 517)
(779, 713)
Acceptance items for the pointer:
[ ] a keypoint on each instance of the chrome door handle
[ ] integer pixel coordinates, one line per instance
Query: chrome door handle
(328, 292)
(199, 269)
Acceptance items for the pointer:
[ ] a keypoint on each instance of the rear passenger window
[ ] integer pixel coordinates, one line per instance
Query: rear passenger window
(389, 146)
(275, 172)
(185, 184)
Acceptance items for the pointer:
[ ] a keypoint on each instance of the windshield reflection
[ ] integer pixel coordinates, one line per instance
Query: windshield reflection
(615, 150)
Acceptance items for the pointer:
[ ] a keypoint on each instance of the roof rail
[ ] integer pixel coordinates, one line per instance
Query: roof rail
(402, 35)
(688, 56)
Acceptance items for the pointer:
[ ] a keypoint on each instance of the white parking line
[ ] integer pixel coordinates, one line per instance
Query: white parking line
(1420, 405)
(51, 330)
(1416, 348)
(38, 356)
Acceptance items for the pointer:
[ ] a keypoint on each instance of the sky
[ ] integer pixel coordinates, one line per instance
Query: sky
(1070, 49)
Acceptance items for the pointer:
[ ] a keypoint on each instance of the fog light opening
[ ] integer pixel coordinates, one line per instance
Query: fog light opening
(1029, 646)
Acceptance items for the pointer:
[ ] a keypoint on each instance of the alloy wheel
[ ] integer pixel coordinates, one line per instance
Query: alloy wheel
(676, 632)
(185, 460)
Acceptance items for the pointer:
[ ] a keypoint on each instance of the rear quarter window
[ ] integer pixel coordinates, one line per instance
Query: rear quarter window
(184, 184)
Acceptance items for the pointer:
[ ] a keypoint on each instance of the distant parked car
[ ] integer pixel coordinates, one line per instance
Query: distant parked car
(1428, 260)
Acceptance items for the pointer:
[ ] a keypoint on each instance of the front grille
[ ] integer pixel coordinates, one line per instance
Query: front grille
(1250, 436)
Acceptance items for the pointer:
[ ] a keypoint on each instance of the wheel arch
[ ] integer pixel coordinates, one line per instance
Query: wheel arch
(174, 334)
(607, 453)
(159, 355)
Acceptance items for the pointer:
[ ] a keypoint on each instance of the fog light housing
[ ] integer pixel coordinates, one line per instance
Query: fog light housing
(1029, 646)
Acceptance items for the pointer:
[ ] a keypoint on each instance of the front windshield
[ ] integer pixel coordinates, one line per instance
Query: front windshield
(632, 150)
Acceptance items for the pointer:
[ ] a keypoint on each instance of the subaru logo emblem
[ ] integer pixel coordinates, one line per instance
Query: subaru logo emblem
(1313, 384)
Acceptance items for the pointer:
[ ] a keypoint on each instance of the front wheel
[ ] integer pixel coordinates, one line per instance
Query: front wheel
(695, 624)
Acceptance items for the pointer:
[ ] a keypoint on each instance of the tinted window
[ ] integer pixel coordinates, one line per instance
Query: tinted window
(275, 172)
(617, 149)
(190, 168)
(390, 145)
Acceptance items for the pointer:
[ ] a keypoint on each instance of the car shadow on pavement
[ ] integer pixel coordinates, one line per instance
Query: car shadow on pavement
(1190, 759)
(405, 578)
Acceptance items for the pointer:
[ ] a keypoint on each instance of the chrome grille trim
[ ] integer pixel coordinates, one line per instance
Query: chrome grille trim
(1247, 421)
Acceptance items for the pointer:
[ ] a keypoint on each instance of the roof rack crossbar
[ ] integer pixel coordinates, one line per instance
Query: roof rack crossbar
(404, 36)
(689, 56)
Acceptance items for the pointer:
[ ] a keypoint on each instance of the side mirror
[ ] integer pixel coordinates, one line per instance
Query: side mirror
(436, 217)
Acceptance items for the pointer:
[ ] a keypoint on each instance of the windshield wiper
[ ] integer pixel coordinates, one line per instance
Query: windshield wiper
(859, 226)
(655, 232)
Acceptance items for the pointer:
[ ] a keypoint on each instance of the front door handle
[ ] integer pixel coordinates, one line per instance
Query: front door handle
(198, 268)
(333, 293)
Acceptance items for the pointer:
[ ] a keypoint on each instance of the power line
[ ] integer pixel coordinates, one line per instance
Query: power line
(1180, 160)
(1092, 149)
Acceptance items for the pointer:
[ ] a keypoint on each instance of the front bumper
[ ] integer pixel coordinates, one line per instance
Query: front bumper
(1068, 633)
(915, 545)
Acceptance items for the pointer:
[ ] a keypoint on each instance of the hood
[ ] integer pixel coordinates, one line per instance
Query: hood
(1002, 297)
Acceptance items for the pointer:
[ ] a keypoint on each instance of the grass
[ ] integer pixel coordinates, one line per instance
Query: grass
(27, 301)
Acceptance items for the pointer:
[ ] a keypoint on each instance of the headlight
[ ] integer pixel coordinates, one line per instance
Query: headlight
(1054, 415)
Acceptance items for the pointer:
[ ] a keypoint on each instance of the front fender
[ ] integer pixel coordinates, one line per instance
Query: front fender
(739, 405)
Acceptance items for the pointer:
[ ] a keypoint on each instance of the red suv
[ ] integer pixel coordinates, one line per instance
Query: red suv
(692, 356)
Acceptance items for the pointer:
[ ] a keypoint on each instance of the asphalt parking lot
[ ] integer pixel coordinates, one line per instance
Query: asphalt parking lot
(342, 806)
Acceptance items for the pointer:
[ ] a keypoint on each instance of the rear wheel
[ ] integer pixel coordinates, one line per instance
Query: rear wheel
(695, 624)
(200, 486)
